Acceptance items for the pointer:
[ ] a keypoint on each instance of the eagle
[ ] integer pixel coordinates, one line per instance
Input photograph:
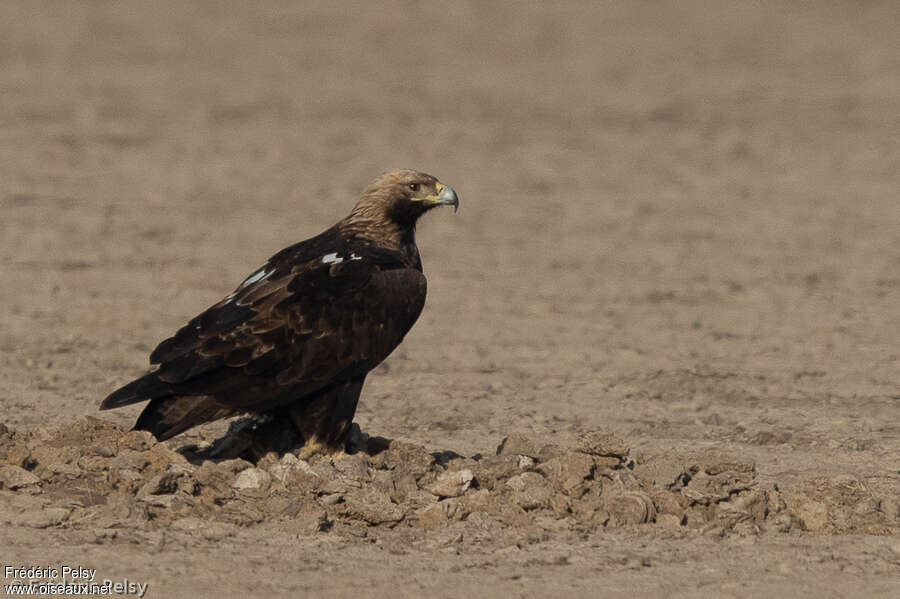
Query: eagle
(298, 336)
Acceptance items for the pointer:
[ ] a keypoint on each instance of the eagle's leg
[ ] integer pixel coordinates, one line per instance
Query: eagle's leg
(324, 419)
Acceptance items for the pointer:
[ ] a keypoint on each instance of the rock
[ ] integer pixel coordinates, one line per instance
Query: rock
(523, 481)
(404, 457)
(290, 459)
(161, 484)
(125, 480)
(524, 462)
(590, 508)
(242, 513)
(716, 468)
(161, 457)
(20, 455)
(706, 484)
(252, 478)
(215, 482)
(890, 507)
(530, 491)
(331, 486)
(667, 502)
(281, 471)
(300, 478)
(604, 463)
(532, 446)
(94, 464)
(813, 515)
(493, 470)
(632, 507)
(290, 468)
(176, 478)
(743, 506)
(14, 477)
(233, 466)
(432, 516)
(668, 521)
(835, 504)
(103, 451)
(129, 459)
(164, 501)
(68, 470)
(355, 467)
(783, 523)
(331, 499)
(561, 505)
(662, 470)
(602, 444)
(137, 441)
(452, 484)
(370, 506)
(567, 472)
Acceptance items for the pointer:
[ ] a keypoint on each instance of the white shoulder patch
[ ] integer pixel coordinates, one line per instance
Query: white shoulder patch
(335, 258)
(257, 276)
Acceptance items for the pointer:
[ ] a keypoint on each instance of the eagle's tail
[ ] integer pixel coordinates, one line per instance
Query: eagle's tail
(147, 387)
(168, 416)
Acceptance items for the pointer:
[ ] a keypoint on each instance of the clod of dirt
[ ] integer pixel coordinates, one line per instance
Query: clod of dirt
(632, 507)
(535, 447)
(14, 477)
(252, 478)
(94, 474)
(569, 471)
(370, 506)
(530, 490)
(602, 444)
(837, 504)
(452, 484)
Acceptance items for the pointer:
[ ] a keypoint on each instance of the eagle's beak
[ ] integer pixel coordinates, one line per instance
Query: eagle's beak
(447, 196)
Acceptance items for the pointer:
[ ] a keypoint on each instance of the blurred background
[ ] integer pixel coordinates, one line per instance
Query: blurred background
(679, 223)
(653, 196)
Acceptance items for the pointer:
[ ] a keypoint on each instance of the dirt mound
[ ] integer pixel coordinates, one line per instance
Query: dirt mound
(94, 474)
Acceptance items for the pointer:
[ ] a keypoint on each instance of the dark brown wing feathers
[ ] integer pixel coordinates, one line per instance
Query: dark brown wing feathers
(300, 325)
(302, 332)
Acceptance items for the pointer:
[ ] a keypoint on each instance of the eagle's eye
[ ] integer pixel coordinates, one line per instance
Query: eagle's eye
(414, 186)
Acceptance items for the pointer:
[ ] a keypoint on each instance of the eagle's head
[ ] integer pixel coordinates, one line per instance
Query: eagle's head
(393, 202)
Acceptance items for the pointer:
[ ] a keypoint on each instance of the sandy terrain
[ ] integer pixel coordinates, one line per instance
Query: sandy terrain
(672, 287)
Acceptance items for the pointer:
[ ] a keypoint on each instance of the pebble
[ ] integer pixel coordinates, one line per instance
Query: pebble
(252, 478)
(452, 484)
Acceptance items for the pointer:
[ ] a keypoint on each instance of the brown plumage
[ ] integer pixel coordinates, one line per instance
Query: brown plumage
(301, 333)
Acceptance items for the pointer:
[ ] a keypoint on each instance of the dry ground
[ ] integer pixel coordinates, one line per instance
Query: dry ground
(679, 224)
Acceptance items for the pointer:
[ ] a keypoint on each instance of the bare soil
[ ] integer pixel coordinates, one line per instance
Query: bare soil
(660, 351)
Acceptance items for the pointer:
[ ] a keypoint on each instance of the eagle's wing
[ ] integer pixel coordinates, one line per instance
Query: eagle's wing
(289, 329)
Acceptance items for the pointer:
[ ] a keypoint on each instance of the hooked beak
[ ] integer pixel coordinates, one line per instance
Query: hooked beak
(447, 196)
